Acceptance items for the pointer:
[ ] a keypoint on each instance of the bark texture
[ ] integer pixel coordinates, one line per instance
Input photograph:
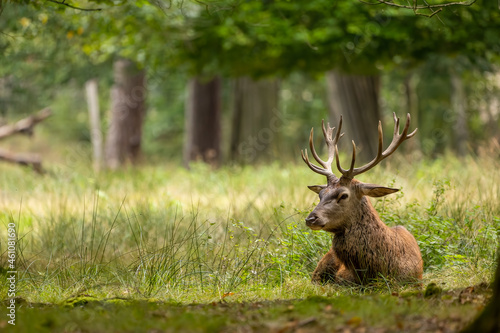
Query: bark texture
(255, 120)
(203, 113)
(128, 107)
(356, 98)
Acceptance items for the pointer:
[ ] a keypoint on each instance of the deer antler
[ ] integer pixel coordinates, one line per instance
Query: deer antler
(331, 143)
(397, 139)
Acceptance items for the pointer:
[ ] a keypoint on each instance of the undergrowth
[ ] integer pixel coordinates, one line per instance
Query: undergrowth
(234, 233)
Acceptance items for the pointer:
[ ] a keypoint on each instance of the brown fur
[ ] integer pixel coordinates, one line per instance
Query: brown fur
(363, 248)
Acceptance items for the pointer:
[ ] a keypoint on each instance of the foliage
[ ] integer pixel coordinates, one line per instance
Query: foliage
(447, 241)
(322, 35)
(311, 37)
(231, 38)
(32, 43)
(234, 38)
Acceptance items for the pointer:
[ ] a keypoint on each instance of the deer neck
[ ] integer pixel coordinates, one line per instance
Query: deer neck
(363, 241)
(364, 220)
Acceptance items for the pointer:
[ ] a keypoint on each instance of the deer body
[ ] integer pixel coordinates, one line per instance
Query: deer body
(363, 247)
(368, 249)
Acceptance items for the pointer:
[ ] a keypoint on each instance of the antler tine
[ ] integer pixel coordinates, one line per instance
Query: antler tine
(380, 139)
(353, 159)
(313, 167)
(332, 152)
(408, 126)
(327, 135)
(330, 142)
(396, 124)
(339, 134)
(313, 151)
(397, 140)
(344, 172)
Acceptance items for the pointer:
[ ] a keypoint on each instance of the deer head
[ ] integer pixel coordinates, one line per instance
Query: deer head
(342, 200)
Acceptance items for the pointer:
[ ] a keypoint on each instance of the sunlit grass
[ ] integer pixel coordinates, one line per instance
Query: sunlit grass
(236, 233)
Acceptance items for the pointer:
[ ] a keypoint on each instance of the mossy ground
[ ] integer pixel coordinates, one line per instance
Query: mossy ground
(409, 312)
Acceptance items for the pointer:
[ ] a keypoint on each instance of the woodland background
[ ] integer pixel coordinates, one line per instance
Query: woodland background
(182, 204)
(212, 79)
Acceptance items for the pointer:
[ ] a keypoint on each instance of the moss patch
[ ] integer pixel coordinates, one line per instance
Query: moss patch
(448, 311)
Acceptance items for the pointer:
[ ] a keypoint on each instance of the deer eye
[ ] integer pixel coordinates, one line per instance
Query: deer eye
(342, 197)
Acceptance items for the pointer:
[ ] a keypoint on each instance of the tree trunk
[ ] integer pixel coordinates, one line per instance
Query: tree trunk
(95, 122)
(489, 320)
(356, 98)
(202, 129)
(489, 111)
(256, 120)
(128, 97)
(458, 102)
(410, 84)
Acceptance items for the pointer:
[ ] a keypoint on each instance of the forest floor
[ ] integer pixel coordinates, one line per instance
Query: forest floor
(432, 310)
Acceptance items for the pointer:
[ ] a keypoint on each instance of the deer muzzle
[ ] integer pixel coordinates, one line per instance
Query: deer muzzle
(313, 222)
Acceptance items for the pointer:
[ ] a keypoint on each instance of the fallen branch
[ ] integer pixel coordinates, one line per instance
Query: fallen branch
(24, 126)
(25, 159)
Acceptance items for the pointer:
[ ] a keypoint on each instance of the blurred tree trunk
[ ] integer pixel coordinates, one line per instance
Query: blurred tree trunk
(255, 120)
(202, 129)
(356, 98)
(489, 320)
(490, 112)
(410, 84)
(458, 102)
(128, 97)
(95, 122)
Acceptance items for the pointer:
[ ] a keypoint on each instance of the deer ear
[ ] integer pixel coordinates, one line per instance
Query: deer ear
(376, 191)
(316, 188)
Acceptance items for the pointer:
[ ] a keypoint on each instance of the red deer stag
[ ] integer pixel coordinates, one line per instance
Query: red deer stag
(364, 248)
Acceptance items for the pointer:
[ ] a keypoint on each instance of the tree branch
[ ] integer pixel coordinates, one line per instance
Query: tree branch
(416, 7)
(63, 3)
(26, 159)
(24, 126)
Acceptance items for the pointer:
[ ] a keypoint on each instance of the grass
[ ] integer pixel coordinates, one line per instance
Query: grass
(234, 235)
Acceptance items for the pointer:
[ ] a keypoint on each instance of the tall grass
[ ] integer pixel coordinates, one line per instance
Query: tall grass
(192, 236)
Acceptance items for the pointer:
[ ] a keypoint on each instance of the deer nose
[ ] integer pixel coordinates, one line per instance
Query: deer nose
(311, 219)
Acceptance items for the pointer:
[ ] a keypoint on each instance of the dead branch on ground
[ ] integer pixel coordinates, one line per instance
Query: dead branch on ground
(25, 159)
(24, 126)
